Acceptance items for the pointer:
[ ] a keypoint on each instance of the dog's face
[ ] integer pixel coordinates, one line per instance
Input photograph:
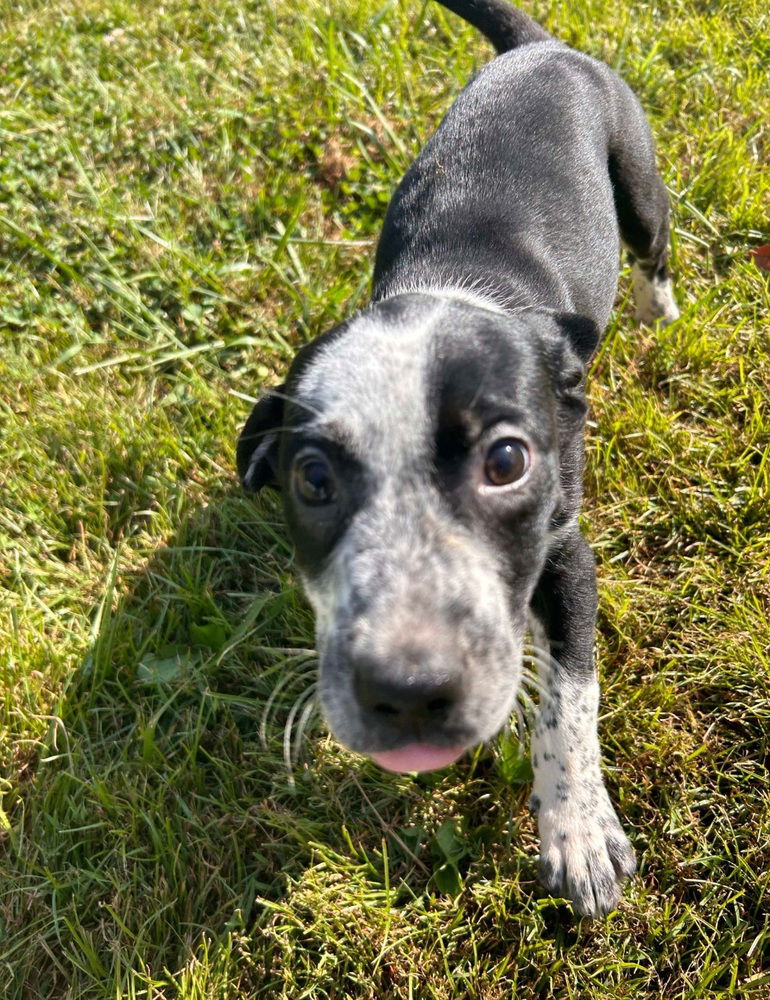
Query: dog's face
(426, 451)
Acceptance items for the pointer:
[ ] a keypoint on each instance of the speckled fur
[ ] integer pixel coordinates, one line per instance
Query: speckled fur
(366, 600)
(584, 853)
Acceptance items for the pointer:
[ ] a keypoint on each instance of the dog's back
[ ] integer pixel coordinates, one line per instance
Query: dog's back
(517, 195)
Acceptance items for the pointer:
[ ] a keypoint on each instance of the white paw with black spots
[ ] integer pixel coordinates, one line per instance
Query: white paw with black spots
(584, 854)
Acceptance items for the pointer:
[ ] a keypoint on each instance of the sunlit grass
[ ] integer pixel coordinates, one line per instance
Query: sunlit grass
(189, 192)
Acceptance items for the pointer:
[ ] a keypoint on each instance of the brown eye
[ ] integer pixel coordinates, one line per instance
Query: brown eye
(507, 462)
(314, 482)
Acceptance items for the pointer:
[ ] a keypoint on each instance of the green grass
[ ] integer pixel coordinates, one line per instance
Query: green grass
(189, 192)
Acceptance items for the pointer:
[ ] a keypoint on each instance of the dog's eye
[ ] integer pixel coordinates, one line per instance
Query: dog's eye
(313, 480)
(507, 462)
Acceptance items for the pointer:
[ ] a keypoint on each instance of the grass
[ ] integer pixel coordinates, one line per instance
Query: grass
(189, 193)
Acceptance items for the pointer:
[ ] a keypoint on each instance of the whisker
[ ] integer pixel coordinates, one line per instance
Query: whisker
(307, 713)
(546, 662)
(270, 430)
(280, 685)
(544, 652)
(533, 682)
(527, 705)
(288, 726)
(521, 730)
(539, 653)
(279, 394)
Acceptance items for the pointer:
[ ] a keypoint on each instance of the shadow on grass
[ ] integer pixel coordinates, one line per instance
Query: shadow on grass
(182, 830)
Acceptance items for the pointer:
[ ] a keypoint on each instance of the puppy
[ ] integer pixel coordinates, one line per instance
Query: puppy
(429, 449)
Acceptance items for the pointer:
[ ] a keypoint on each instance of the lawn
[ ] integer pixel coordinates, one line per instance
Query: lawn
(189, 192)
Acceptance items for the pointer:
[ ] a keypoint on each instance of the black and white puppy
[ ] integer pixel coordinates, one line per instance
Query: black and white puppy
(429, 450)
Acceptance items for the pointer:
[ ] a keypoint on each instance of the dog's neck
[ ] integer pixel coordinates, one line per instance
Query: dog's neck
(477, 295)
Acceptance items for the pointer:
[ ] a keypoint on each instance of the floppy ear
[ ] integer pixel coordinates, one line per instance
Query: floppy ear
(568, 356)
(257, 451)
(581, 332)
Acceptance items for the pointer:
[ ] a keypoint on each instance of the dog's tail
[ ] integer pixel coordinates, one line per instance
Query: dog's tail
(505, 26)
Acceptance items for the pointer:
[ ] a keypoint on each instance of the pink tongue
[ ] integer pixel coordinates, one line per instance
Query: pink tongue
(417, 757)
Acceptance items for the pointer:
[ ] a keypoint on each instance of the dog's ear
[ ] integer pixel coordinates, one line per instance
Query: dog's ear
(568, 355)
(581, 332)
(257, 451)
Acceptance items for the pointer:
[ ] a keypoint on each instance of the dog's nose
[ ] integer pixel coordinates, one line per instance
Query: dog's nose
(406, 696)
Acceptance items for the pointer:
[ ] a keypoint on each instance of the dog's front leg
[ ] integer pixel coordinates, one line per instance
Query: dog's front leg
(584, 853)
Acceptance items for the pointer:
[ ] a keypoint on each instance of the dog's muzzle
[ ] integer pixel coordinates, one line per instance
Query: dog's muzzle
(419, 645)
(414, 697)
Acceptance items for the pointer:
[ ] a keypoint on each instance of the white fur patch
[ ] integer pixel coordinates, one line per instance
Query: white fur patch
(474, 293)
(584, 854)
(654, 298)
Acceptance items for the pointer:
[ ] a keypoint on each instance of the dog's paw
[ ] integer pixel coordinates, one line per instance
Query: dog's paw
(654, 297)
(584, 856)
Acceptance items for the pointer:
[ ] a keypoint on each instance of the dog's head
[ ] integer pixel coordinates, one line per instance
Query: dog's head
(426, 451)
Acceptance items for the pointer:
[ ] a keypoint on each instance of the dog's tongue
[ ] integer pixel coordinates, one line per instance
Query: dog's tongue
(417, 757)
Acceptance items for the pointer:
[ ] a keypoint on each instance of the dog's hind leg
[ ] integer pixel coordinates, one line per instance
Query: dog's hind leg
(642, 205)
(584, 853)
